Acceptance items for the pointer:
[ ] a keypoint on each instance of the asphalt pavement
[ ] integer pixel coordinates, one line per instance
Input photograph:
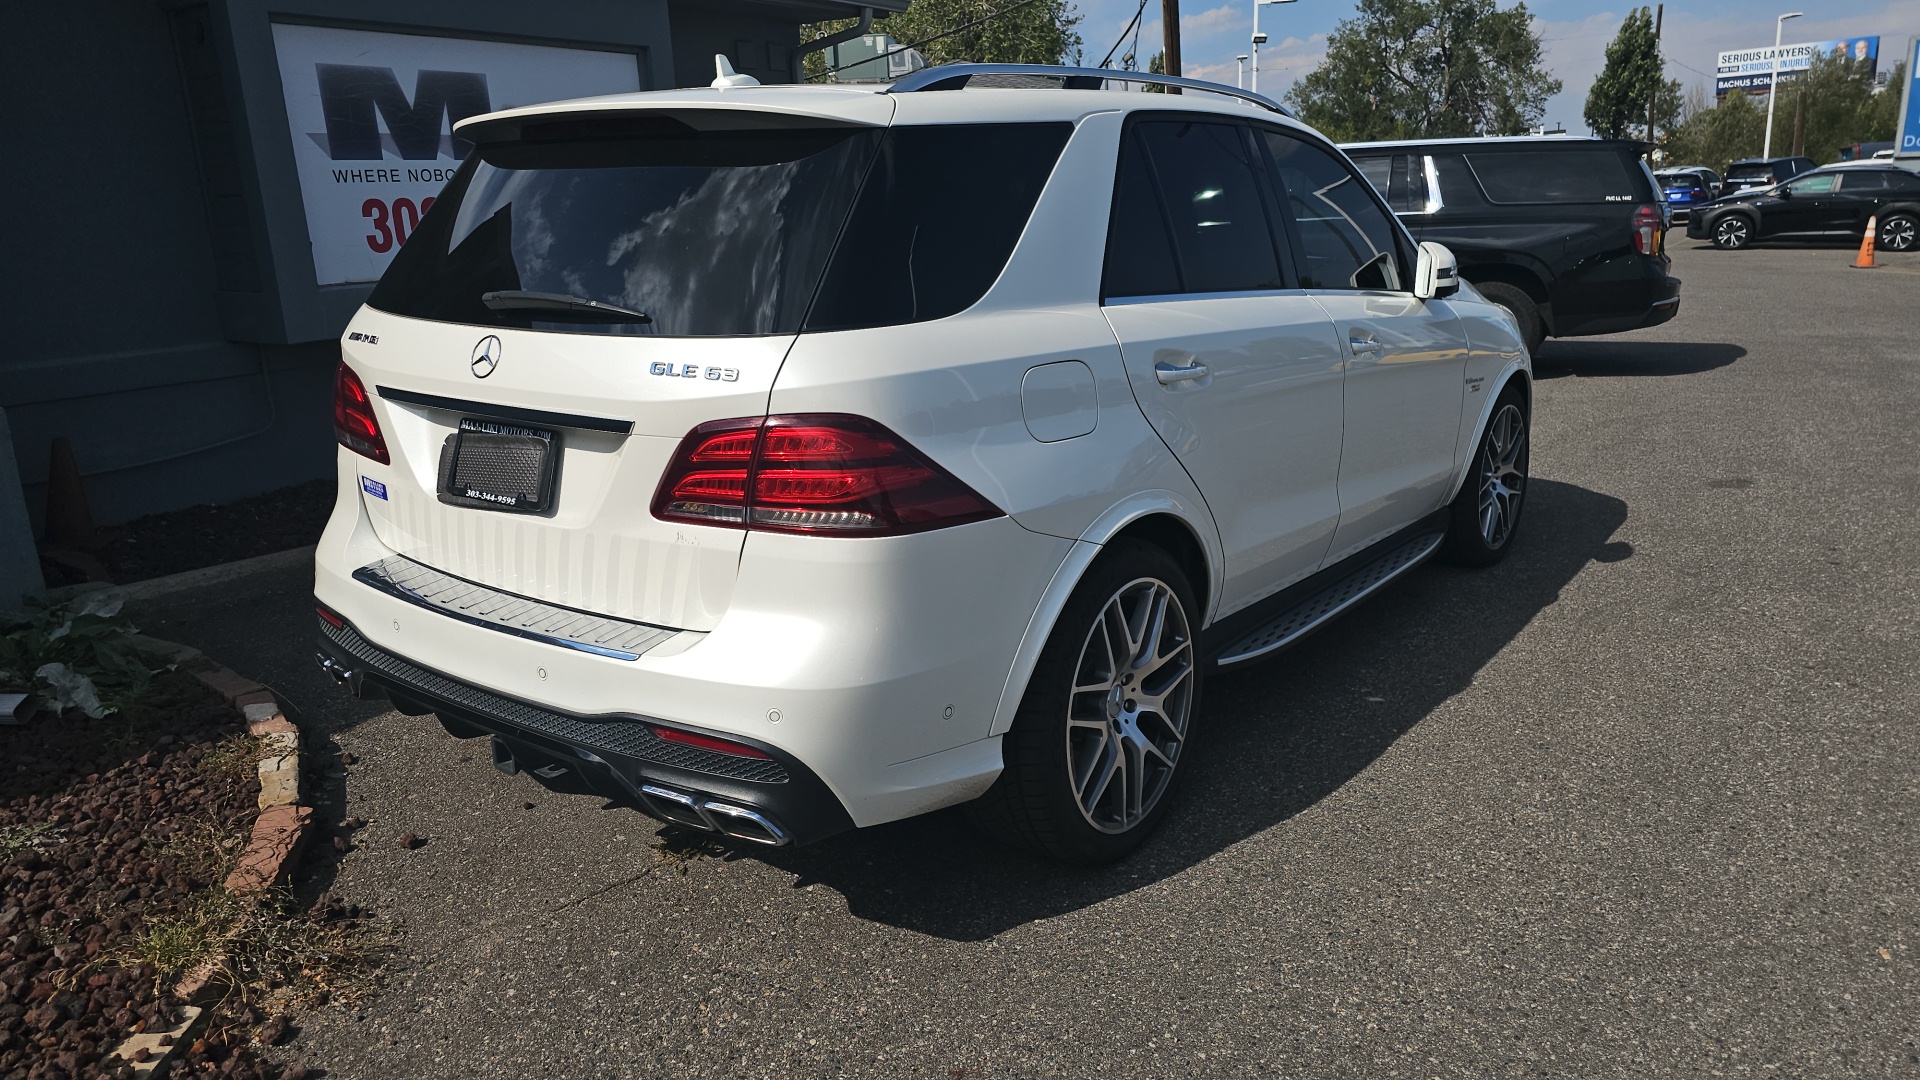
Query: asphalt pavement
(1639, 802)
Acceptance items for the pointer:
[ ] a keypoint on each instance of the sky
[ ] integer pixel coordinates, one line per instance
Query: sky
(1574, 32)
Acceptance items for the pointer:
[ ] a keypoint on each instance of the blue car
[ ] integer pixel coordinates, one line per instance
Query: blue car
(1688, 187)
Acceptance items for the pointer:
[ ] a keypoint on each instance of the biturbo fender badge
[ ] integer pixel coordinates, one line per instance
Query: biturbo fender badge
(693, 371)
(486, 357)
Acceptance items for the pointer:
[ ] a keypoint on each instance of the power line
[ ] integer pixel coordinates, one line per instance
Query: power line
(1131, 23)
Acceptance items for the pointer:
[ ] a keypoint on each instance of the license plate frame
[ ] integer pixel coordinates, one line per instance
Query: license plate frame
(491, 465)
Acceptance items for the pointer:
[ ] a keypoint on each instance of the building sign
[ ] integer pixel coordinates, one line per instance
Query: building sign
(1908, 139)
(372, 115)
(1751, 70)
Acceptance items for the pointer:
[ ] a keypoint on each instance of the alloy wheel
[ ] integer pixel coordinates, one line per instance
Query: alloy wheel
(1732, 232)
(1503, 475)
(1898, 233)
(1128, 712)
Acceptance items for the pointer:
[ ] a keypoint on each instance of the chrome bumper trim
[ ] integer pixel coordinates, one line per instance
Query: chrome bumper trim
(534, 620)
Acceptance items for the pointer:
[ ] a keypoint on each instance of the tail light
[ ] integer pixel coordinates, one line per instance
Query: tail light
(354, 424)
(820, 474)
(1646, 230)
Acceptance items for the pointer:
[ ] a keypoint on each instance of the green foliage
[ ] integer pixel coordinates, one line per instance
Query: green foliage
(1617, 104)
(1036, 32)
(80, 654)
(1426, 69)
(1837, 106)
(1729, 131)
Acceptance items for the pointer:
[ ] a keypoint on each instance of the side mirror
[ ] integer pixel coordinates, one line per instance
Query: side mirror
(1436, 276)
(1785, 192)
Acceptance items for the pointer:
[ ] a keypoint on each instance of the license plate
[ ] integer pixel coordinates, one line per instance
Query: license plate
(495, 466)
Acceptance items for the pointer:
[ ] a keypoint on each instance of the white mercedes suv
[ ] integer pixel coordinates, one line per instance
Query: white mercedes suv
(785, 459)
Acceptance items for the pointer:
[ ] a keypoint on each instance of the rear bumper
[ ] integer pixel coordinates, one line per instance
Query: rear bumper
(616, 757)
(1664, 294)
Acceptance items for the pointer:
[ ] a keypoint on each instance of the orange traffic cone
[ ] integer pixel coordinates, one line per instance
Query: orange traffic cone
(1864, 261)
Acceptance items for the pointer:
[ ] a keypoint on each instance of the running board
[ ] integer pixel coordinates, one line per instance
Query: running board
(1303, 618)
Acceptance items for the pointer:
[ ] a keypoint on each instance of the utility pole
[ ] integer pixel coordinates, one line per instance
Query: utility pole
(1170, 37)
(1660, 75)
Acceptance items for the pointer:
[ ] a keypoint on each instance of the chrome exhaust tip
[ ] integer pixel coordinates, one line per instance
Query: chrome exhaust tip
(340, 673)
(712, 815)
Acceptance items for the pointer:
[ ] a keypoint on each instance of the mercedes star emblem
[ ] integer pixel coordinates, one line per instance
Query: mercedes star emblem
(486, 357)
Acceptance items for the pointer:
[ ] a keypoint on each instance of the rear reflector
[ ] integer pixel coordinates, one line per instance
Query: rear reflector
(354, 425)
(330, 618)
(820, 474)
(708, 742)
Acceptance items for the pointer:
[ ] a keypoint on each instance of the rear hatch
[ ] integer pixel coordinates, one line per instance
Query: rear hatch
(587, 289)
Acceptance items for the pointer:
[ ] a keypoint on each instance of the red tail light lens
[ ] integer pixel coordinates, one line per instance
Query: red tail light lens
(820, 474)
(1646, 230)
(354, 424)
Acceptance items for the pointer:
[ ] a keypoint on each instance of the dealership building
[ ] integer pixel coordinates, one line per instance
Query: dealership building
(207, 190)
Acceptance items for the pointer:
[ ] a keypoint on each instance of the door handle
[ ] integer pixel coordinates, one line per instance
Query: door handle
(1168, 374)
(1363, 345)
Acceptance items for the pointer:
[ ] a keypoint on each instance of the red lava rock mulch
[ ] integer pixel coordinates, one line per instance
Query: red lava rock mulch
(108, 827)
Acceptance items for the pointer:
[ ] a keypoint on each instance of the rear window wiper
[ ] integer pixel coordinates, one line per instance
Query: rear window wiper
(559, 307)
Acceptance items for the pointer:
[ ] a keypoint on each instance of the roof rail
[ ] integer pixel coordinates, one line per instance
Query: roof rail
(956, 76)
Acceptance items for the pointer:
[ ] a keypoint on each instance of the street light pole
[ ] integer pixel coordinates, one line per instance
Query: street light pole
(1260, 38)
(1773, 81)
(1240, 71)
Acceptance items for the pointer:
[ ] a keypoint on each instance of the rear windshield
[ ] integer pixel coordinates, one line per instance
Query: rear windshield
(1554, 176)
(1750, 172)
(1682, 181)
(721, 233)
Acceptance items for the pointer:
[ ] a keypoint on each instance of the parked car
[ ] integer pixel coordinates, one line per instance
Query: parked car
(1566, 233)
(785, 459)
(1686, 187)
(1762, 173)
(1838, 200)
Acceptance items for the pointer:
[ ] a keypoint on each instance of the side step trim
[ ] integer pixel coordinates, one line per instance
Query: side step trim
(458, 598)
(1303, 618)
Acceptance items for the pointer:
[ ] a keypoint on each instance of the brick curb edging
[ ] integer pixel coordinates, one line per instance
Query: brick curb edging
(278, 834)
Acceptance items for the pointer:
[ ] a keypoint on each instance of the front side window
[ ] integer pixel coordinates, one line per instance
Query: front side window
(1818, 184)
(1345, 240)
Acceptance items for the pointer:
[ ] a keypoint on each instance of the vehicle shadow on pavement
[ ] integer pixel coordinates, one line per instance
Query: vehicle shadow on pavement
(1627, 358)
(1270, 742)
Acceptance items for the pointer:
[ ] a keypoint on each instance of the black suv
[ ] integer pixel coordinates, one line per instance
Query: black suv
(1840, 199)
(1762, 173)
(1566, 233)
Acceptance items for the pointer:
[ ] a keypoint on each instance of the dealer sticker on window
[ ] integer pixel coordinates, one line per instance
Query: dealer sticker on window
(374, 488)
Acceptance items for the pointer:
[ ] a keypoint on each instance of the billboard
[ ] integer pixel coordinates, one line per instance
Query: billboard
(1751, 70)
(372, 115)
(1907, 140)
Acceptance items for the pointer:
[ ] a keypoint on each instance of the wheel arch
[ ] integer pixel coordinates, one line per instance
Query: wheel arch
(1518, 376)
(1522, 276)
(1162, 518)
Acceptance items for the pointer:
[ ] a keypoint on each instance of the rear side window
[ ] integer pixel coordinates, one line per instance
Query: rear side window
(936, 222)
(1553, 176)
(1140, 260)
(1345, 240)
(1205, 176)
(705, 232)
(1904, 183)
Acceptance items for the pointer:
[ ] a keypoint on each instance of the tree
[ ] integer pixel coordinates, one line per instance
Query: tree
(1837, 106)
(1006, 31)
(1631, 81)
(1427, 68)
(1727, 132)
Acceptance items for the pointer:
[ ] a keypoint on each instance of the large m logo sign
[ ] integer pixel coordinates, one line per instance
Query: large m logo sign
(350, 95)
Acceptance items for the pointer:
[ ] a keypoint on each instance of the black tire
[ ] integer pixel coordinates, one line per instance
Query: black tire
(1062, 740)
(1485, 516)
(1526, 314)
(1900, 232)
(1731, 232)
